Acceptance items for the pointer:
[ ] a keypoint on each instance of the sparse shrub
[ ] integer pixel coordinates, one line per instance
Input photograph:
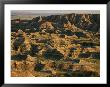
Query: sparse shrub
(68, 32)
(96, 55)
(34, 49)
(39, 67)
(75, 61)
(19, 57)
(53, 54)
(85, 74)
(18, 41)
(84, 55)
(73, 49)
(80, 34)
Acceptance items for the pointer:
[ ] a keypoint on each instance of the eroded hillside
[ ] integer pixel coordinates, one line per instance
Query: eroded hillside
(56, 46)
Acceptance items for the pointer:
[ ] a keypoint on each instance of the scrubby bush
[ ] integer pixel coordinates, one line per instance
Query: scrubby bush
(19, 57)
(53, 54)
(18, 41)
(34, 49)
(85, 74)
(39, 67)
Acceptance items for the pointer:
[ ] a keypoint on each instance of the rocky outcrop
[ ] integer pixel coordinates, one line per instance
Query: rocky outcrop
(89, 22)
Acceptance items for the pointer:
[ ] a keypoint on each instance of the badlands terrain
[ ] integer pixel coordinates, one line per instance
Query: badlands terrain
(66, 45)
